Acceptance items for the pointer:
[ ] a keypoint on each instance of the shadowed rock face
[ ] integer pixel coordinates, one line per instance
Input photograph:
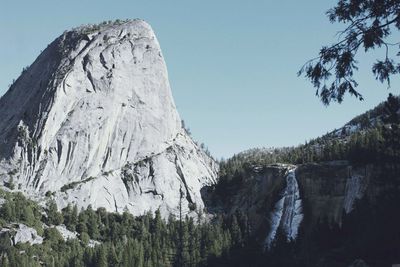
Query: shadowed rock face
(93, 121)
(331, 189)
(278, 197)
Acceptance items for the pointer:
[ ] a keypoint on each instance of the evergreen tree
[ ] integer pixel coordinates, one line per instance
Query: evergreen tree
(370, 25)
(54, 217)
(101, 257)
(236, 231)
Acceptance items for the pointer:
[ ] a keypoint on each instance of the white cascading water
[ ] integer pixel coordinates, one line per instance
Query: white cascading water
(287, 212)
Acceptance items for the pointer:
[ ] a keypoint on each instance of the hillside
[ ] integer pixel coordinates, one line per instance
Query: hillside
(335, 145)
(32, 235)
(97, 169)
(333, 201)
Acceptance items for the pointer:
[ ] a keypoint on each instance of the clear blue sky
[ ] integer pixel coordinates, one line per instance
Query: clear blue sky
(232, 64)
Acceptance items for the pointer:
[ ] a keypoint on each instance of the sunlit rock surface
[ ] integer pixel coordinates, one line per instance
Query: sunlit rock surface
(92, 122)
(20, 233)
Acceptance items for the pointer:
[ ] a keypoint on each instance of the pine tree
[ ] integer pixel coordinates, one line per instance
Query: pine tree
(92, 223)
(4, 262)
(27, 215)
(8, 210)
(236, 231)
(5, 242)
(54, 217)
(179, 255)
(101, 257)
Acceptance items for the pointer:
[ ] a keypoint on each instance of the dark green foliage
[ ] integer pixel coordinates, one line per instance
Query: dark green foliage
(391, 110)
(70, 215)
(17, 208)
(125, 240)
(369, 232)
(75, 184)
(5, 241)
(54, 217)
(52, 236)
(148, 240)
(10, 183)
(369, 25)
(371, 143)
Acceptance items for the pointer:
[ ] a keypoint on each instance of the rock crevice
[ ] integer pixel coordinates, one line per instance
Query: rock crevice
(67, 138)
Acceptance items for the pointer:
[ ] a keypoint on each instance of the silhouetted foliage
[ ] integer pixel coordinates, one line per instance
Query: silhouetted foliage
(369, 25)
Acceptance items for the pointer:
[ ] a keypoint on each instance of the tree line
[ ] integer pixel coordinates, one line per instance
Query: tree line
(122, 239)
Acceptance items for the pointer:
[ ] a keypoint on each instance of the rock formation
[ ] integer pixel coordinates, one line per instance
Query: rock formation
(92, 122)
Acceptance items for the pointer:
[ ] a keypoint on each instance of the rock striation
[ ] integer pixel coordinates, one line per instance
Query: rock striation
(93, 122)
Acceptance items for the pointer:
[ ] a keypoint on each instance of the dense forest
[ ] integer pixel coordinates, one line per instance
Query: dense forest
(371, 230)
(121, 239)
(111, 239)
(375, 138)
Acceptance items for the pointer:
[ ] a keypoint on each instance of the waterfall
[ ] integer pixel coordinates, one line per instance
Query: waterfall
(287, 212)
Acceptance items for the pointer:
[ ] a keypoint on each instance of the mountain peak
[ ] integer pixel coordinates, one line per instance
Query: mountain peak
(105, 25)
(93, 121)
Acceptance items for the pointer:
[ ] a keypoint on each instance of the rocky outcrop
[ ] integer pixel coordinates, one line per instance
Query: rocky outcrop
(20, 233)
(69, 235)
(27, 234)
(330, 189)
(255, 196)
(65, 233)
(277, 197)
(92, 122)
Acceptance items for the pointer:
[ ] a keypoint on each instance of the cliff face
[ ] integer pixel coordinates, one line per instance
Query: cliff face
(93, 121)
(254, 197)
(278, 197)
(264, 196)
(331, 189)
